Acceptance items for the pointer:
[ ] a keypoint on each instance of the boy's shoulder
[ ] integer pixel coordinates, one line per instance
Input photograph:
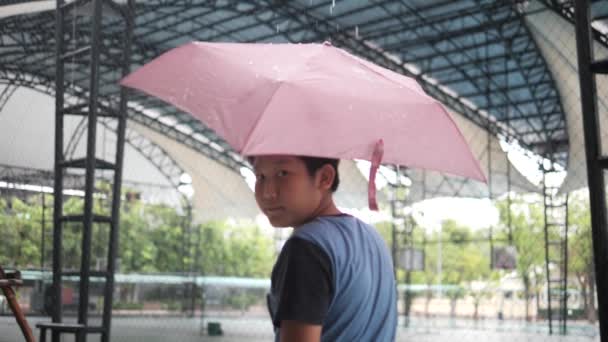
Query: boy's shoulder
(328, 227)
(323, 222)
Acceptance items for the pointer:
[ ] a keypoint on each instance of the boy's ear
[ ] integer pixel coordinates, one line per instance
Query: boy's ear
(326, 175)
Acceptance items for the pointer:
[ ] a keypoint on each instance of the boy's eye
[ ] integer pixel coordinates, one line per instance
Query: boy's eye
(282, 173)
(259, 177)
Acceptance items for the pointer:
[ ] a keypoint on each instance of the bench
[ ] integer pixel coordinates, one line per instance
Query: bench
(72, 328)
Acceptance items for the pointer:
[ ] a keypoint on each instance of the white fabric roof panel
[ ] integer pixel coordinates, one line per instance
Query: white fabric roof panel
(27, 128)
(556, 39)
(29, 114)
(27, 8)
(232, 194)
(430, 184)
(219, 193)
(352, 192)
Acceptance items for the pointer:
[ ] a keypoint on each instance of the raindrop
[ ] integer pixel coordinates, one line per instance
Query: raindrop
(278, 30)
(331, 10)
(333, 3)
(357, 32)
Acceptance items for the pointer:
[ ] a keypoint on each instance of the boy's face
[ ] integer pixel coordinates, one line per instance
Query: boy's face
(284, 190)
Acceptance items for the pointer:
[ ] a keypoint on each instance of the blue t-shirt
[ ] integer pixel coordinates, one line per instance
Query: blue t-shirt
(336, 271)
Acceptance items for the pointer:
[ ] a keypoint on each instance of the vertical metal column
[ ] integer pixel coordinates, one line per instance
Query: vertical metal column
(42, 232)
(116, 187)
(58, 183)
(90, 164)
(402, 243)
(597, 162)
(556, 243)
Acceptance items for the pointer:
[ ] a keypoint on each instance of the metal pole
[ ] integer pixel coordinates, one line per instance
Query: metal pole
(58, 183)
(490, 195)
(549, 310)
(116, 189)
(565, 284)
(509, 203)
(509, 44)
(192, 261)
(42, 233)
(394, 236)
(406, 294)
(83, 297)
(440, 262)
(596, 185)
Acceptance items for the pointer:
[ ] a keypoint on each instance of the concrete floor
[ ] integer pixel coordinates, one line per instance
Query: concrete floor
(183, 329)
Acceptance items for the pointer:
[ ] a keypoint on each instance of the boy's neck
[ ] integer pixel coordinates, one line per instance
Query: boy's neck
(327, 207)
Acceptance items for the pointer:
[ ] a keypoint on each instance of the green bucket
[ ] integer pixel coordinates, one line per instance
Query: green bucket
(214, 329)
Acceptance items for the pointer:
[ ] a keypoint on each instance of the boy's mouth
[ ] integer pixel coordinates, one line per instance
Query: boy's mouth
(273, 211)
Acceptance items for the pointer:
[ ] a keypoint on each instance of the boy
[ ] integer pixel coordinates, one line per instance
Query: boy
(333, 280)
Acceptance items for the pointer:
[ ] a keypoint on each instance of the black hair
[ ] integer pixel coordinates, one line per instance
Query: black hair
(313, 164)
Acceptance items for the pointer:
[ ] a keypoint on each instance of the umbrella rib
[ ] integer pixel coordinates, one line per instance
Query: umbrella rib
(257, 121)
(356, 58)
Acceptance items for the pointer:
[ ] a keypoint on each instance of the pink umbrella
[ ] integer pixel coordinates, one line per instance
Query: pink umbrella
(310, 100)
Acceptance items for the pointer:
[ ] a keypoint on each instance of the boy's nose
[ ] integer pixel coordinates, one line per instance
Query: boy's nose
(269, 191)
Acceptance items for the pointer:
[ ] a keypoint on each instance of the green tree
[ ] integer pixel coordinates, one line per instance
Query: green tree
(234, 250)
(137, 251)
(429, 276)
(20, 231)
(527, 231)
(153, 238)
(463, 261)
(167, 233)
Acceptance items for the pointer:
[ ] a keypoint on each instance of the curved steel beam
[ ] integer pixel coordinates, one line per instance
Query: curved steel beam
(321, 27)
(5, 95)
(36, 65)
(157, 156)
(552, 149)
(324, 28)
(209, 148)
(566, 10)
(305, 23)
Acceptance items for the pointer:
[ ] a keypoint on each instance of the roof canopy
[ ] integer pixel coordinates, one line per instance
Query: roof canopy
(494, 63)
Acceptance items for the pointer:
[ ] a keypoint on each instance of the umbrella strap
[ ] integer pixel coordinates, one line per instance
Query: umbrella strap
(376, 160)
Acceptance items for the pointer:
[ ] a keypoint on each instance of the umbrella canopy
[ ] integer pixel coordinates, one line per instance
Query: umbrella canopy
(309, 100)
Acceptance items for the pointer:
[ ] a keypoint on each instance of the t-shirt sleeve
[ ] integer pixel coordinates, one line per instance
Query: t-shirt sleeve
(305, 284)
